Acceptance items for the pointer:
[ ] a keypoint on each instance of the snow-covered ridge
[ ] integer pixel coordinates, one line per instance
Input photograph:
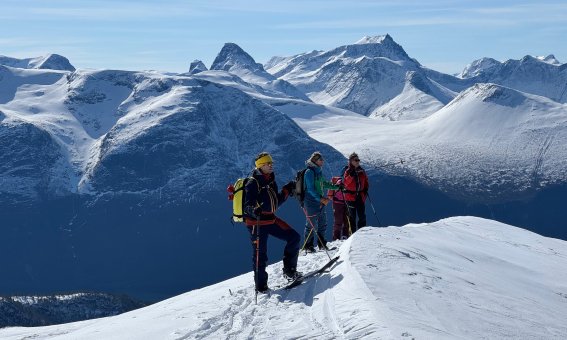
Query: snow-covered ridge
(541, 76)
(99, 128)
(373, 40)
(197, 66)
(50, 61)
(232, 58)
(550, 59)
(362, 77)
(461, 277)
(489, 144)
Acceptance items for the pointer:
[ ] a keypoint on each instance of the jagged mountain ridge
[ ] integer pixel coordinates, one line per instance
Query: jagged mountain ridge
(541, 76)
(368, 77)
(235, 60)
(364, 77)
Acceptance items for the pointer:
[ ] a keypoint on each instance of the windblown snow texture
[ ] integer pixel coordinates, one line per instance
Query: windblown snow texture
(457, 278)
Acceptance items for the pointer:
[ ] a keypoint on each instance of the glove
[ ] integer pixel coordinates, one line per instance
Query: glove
(253, 212)
(290, 187)
(341, 187)
(324, 200)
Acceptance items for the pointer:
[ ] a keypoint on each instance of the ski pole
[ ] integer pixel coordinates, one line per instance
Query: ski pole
(307, 238)
(374, 210)
(257, 257)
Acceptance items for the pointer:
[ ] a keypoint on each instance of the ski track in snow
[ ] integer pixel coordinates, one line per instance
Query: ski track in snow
(240, 317)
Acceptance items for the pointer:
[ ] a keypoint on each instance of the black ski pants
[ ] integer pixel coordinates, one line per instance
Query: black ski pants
(282, 231)
(355, 208)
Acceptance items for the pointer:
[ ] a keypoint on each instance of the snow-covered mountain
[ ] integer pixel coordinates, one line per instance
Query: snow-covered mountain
(543, 76)
(458, 278)
(235, 60)
(375, 77)
(550, 59)
(197, 66)
(419, 98)
(149, 131)
(50, 61)
(102, 170)
(369, 77)
(489, 144)
(478, 67)
(100, 166)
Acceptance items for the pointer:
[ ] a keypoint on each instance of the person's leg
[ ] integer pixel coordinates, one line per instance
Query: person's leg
(345, 230)
(322, 228)
(338, 220)
(260, 275)
(310, 223)
(361, 211)
(284, 232)
(351, 215)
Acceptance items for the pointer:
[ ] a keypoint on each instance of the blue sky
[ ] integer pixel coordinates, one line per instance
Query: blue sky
(168, 34)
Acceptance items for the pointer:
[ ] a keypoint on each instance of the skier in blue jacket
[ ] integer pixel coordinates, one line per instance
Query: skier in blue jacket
(315, 201)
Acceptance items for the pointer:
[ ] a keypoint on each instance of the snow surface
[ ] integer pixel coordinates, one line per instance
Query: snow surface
(458, 278)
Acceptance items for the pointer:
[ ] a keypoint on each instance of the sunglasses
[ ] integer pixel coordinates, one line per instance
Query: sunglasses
(356, 160)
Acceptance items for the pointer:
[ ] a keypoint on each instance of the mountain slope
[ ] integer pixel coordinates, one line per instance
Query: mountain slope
(420, 98)
(542, 76)
(491, 143)
(365, 77)
(462, 277)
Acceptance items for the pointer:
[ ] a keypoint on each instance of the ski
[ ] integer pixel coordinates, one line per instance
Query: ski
(299, 280)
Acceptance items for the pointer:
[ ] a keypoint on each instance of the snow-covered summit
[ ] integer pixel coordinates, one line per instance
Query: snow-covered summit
(50, 61)
(378, 39)
(197, 66)
(479, 66)
(530, 74)
(291, 67)
(235, 60)
(550, 59)
(232, 57)
(359, 77)
(458, 278)
(419, 98)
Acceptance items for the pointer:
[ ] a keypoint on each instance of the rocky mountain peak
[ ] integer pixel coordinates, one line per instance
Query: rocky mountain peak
(233, 56)
(197, 66)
